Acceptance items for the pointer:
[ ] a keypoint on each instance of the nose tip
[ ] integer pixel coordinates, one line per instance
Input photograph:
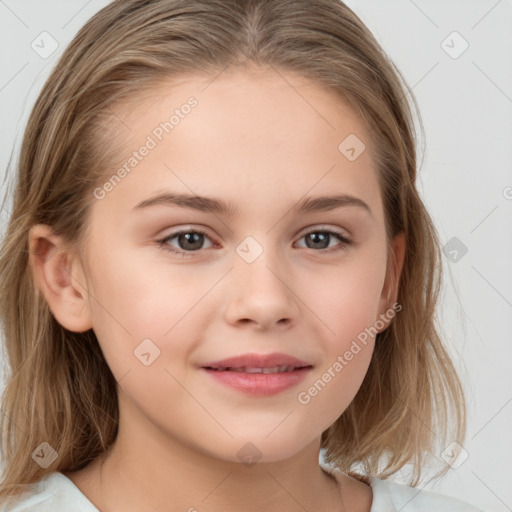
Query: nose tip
(258, 295)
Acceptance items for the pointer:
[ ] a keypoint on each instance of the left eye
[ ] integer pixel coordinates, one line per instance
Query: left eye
(315, 238)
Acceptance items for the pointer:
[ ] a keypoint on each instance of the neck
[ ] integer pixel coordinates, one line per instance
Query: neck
(137, 478)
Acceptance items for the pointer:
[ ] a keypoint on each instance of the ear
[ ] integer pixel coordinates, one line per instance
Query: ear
(391, 284)
(59, 276)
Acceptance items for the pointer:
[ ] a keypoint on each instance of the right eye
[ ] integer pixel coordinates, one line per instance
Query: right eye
(190, 240)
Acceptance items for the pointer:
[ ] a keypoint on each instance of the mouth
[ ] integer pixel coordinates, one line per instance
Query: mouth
(259, 375)
(257, 369)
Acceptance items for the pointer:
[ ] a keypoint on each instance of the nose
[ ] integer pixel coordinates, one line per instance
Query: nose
(261, 294)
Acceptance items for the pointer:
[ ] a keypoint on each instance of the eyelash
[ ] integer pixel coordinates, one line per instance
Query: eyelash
(162, 243)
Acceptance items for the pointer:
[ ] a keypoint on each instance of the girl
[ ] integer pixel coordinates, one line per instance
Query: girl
(218, 268)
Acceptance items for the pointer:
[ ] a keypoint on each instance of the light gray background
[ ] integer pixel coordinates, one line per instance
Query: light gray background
(465, 179)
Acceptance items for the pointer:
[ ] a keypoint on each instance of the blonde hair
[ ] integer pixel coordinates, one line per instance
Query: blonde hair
(60, 389)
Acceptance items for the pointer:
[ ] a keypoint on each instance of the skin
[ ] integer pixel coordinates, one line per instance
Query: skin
(262, 143)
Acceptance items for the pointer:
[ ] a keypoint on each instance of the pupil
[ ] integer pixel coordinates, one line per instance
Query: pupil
(191, 238)
(195, 240)
(319, 237)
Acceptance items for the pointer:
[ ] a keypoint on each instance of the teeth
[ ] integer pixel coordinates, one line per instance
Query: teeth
(249, 369)
(255, 369)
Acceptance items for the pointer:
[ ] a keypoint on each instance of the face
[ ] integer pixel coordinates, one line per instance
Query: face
(176, 285)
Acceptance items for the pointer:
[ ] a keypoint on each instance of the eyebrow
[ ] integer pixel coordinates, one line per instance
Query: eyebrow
(218, 206)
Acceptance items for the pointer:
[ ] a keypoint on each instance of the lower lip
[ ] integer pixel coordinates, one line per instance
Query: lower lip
(259, 384)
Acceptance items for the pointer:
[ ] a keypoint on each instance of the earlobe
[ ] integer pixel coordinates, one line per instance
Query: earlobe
(55, 268)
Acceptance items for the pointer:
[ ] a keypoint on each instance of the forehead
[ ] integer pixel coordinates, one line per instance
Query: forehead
(253, 133)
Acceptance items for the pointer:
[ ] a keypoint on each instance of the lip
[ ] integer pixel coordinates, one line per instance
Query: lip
(258, 360)
(258, 384)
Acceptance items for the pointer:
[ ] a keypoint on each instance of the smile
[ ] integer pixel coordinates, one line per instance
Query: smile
(253, 369)
(258, 375)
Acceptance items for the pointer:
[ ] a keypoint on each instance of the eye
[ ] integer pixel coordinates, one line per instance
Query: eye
(320, 239)
(189, 240)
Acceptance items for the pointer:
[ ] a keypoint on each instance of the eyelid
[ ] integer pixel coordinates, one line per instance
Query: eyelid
(186, 228)
(319, 227)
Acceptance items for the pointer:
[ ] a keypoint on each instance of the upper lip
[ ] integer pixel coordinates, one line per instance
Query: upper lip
(257, 361)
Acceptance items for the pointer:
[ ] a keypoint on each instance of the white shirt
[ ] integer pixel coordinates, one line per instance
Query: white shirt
(57, 493)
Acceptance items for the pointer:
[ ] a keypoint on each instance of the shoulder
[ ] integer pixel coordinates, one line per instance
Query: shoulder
(389, 496)
(54, 493)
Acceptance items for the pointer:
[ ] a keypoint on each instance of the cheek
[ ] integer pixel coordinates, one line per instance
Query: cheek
(347, 297)
(141, 293)
(347, 302)
(139, 308)
(335, 385)
(336, 381)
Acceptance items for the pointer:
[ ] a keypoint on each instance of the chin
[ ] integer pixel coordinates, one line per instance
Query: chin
(261, 448)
